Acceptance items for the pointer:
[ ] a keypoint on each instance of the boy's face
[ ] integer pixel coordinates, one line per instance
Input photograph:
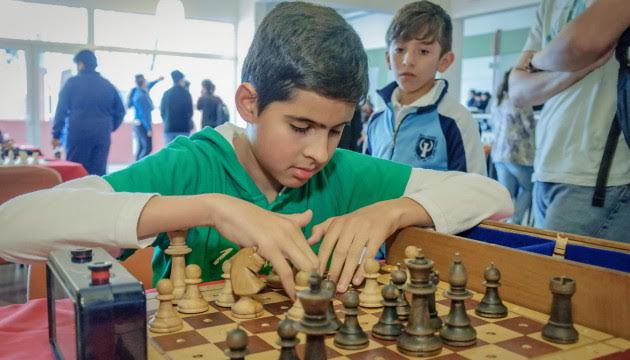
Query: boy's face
(414, 63)
(292, 140)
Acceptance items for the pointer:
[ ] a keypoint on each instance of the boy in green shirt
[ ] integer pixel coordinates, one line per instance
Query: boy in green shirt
(280, 184)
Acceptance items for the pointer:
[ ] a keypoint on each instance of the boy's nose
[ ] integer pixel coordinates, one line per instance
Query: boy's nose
(317, 150)
(408, 58)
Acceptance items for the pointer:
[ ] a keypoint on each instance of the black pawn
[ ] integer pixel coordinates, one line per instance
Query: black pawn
(388, 326)
(491, 305)
(331, 315)
(237, 344)
(457, 331)
(560, 327)
(434, 319)
(315, 323)
(350, 336)
(399, 278)
(288, 339)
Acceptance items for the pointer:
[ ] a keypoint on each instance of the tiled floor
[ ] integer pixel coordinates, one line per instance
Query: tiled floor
(13, 280)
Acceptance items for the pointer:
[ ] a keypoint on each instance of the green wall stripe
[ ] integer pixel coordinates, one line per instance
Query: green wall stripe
(511, 41)
(376, 58)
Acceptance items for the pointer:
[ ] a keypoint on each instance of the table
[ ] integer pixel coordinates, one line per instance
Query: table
(67, 169)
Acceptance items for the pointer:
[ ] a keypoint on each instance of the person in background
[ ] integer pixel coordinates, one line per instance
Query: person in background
(141, 102)
(513, 149)
(88, 111)
(176, 109)
(211, 106)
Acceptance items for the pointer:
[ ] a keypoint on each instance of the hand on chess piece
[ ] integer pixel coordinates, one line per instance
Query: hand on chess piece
(278, 237)
(366, 228)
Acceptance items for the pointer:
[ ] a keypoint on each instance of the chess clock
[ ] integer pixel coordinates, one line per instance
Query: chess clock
(96, 309)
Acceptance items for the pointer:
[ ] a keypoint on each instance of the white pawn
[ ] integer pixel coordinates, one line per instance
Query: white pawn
(192, 302)
(35, 158)
(371, 296)
(23, 155)
(226, 297)
(296, 312)
(178, 249)
(166, 319)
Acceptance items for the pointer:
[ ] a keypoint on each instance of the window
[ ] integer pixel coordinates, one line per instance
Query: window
(56, 69)
(13, 84)
(29, 21)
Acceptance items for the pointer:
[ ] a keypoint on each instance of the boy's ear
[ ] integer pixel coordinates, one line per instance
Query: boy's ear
(446, 61)
(247, 102)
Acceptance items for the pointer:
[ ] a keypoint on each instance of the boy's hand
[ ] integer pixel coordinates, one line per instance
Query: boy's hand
(366, 228)
(278, 237)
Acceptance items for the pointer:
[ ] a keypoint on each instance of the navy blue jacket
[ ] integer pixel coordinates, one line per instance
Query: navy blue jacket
(177, 110)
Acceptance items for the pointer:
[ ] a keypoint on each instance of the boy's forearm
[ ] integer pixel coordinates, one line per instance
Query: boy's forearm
(410, 213)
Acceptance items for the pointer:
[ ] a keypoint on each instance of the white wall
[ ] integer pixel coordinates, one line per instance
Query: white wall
(372, 29)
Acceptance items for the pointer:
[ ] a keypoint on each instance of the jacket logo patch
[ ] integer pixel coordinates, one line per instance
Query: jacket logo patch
(426, 147)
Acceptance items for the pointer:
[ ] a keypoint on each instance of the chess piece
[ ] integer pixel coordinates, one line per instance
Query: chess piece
(273, 280)
(165, 319)
(35, 158)
(288, 339)
(388, 326)
(226, 297)
(192, 302)
(457, 331)
(350, 336)
(418, 338)
(301, 283)
(560, 327)
(315, 323)
(332, 316)
(399, 278)
(23, 158)
(434, 319)
(178, 250)
(371, 295)
(237, 344)
(245, 282)
(491, 305)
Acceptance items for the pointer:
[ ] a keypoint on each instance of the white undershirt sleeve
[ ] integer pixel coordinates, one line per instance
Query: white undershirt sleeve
(85, 212)
(457, 201)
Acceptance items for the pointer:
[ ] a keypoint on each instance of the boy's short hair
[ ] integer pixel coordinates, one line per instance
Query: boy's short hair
(208, 85)
(308, 47)
(422, 20)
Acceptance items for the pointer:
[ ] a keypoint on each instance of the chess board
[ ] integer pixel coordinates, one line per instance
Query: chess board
(517, 336)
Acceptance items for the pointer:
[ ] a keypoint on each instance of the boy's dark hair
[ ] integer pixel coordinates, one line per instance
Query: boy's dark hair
(208, 85)
(139, 79)
(308, 47)
(422, 20)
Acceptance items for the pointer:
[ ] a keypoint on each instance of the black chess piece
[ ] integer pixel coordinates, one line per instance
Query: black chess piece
(399, 278)
(350, 336)
(458, 331)
(315, 323)
(237, 344)
(560, 327)
(332, 315)
(434, 318)
(419, 339)
(288, 339)
(491, 305)
(388, 326)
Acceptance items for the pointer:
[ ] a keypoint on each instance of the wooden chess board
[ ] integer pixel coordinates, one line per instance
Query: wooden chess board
(517, 336)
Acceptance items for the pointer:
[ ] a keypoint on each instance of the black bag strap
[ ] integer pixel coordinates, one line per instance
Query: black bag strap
(599, 195)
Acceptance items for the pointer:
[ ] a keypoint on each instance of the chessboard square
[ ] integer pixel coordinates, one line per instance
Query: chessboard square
(301, 349)
(582, 340)
(377, 354)
(527, 346)
(528, 313)
(620, 343)
(622, 355)
(330, 342)
(367, 321)
(278, 308)
(217, 334)
(444, 352)
(179, 340)
(442, 310)
(477, 343)
(205, 351)
(271, 297)
(493, 333)
(261, 325)
(521, 325)
(592, 333)
(591, 351)
(270, 338)
(255, 345)
(490, 351)
(207, 320)
(266, 355)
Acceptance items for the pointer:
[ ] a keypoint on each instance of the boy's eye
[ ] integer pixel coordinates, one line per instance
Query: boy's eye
(424, 52)
(398, 50)
(298, 129)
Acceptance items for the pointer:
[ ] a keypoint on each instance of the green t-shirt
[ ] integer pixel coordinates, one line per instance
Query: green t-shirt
(206, 163)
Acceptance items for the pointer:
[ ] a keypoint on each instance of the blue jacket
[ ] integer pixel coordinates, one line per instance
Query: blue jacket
(436, 132)
(142, 104)
(177, 110)
(89, 109)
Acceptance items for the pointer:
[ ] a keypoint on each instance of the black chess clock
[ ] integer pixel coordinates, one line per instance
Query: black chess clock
(105, 303)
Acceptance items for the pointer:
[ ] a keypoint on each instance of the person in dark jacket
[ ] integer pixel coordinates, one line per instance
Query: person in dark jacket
(210, 106)
(176, 109)
(140, 100)
(89, 110)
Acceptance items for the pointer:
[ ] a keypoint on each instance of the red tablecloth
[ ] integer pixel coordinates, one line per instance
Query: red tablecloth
(67, 169)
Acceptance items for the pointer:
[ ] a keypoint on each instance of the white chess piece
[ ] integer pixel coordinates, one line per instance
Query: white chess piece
(192, 302)
(371, 296)
(296, 312)
(226, 297)
(165, 319)
(178, 250)
(23, 158)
